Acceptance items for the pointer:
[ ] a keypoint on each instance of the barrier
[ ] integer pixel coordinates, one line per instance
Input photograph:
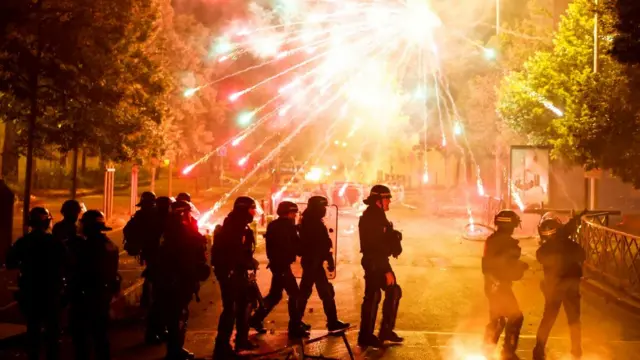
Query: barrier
(613, 256)
(134, 189)
(107, 199)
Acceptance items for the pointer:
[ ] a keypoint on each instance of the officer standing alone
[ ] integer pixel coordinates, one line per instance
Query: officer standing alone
(232, 259)
(41, 259)
(283, 245)
(378, 241)
(501, 266)
(316, 250)
(562, 260)
(93, 282)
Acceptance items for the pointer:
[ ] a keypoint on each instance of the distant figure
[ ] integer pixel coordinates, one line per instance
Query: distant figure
(68, 227)
(562, 261)
(316, 248)
(501, 266)
(41, 259)
(93, 282)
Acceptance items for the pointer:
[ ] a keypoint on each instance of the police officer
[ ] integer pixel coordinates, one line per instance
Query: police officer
(182, 265)
(67, 228)
(232, 259)
(316, 246)
(41, 259)
(501, 266)
(142, 238)
(93, 282)
(562, 261)
(378, 241)
(283, 245)
(185, 196)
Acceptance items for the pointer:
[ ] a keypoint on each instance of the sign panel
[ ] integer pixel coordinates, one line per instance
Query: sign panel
(331, 222)
(529, 176)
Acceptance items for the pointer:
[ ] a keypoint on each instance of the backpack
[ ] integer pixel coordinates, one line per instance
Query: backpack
(133, 237)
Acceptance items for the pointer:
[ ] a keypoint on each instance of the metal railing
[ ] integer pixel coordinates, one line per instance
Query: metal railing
(613, 256)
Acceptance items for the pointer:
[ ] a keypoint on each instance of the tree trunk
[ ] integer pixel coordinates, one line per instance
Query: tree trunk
(74, 173)
(83, 164)
(10, 157)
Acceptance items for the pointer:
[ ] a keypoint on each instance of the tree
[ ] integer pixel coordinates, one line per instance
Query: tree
(626, 42)
(589, 118)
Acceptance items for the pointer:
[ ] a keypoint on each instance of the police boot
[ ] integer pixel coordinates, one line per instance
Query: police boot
(538, 353)
(297, 331)
(223, 350)
(511, 338)
(337, 325)
(245, 345)
(181, 354)
(305, 326)
(256, 323)
(369, 340)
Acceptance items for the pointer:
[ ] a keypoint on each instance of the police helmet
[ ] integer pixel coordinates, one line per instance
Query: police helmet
(317, 201)
(184, 196)
(244, 203)
(147, 198)
(94, 220)
(286, 207)
(181, 207)
(164, 203)
(39, 217)
(507, 219)
(378, 192)
(549, 229)
(71, 208)
(549, 215)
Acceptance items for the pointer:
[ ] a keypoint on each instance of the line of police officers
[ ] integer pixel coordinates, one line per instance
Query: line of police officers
(80, 267)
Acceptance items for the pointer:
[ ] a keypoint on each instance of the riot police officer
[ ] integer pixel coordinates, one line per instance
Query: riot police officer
(93, 282)
(232, 259)
(316, 247)
(501, 266)
(562, 261)
(182, 265)
(41, 259)
(283, 245)
(67, 228)
(378, 241)
(142, 238)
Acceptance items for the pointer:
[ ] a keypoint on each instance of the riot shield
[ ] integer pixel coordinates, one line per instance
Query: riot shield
(331, 222)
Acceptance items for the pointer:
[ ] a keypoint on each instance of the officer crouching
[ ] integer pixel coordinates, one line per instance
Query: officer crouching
(501, 266)
(378, 241)
(283, 245)
(562, 260)
(182, 265)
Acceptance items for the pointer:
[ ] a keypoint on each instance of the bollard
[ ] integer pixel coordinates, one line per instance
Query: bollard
(7, 198)
(263, 215)
(134, 189)
(107, 200)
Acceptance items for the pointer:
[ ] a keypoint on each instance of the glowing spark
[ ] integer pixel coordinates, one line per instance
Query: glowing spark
(444, 141)
(475, 357)
(480, 187)
(425, 177)
(457, 128)
(233, 97)
(489, 54)
(237, 140)
(243, 160)
(343, 189)
(245, 118)
(553, 108)
(188, 169)
(190, 92)
(283, 111)
(223, 58)
(315, 174)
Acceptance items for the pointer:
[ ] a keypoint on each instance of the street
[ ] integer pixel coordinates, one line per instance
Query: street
(442, 313)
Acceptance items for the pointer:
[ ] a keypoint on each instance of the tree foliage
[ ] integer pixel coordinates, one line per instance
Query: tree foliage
(626, 42)
(557, 99)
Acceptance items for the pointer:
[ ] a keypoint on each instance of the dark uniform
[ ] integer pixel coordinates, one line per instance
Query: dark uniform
(562, 261)
(501, 266)
(316, 248)
(67, 228)
(182, 265)
(41, 259)
(142, 238)
(378, 241)
(232, 259)
(93, 282)
(283, 245)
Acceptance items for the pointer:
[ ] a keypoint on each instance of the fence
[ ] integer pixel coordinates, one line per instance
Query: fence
(613, 257)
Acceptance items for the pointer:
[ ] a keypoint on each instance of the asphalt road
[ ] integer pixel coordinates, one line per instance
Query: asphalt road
(442, 313)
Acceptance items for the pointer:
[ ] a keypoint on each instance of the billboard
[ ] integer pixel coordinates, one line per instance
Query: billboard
(529, 176)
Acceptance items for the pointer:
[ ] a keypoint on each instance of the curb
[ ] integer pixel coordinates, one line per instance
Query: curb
(611, 295)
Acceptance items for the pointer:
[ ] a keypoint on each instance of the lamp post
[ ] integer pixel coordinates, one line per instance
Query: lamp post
(596, 53)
